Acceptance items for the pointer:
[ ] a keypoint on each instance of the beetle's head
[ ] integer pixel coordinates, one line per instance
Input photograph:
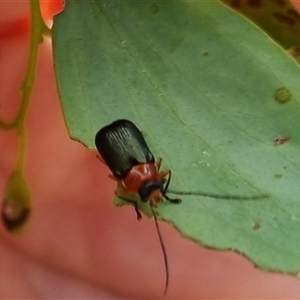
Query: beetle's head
(152, 190)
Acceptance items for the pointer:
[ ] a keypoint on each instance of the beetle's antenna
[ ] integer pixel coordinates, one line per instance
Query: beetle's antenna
(216, 196)
(163, 249)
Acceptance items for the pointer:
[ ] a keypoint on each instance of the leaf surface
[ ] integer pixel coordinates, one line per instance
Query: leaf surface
(214, 96)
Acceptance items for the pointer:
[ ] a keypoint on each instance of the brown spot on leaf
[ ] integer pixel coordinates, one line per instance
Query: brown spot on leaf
(293, 14)
(279, 3)
(295, 51)
(154, 8)
(254, 3)
(205, 53)
(256, 225)
(235, 4)
(281, 18)
(281, 140)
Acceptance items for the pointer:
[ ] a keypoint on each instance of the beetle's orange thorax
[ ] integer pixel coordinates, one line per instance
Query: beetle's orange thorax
(139, 175)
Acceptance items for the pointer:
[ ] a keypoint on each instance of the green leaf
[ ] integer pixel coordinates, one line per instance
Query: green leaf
(214, 96)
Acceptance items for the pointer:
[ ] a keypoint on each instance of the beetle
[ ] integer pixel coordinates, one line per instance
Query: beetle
(126, 153)
(124, 150)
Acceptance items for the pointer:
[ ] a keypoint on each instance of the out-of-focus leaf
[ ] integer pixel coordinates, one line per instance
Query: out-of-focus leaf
(278, 18)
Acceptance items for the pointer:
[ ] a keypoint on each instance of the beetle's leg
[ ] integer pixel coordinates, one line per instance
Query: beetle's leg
(119, 193)
(100, 158)
(138, 213)
(110, 175)
(158, 163)
(165, 188)
(174, 201)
